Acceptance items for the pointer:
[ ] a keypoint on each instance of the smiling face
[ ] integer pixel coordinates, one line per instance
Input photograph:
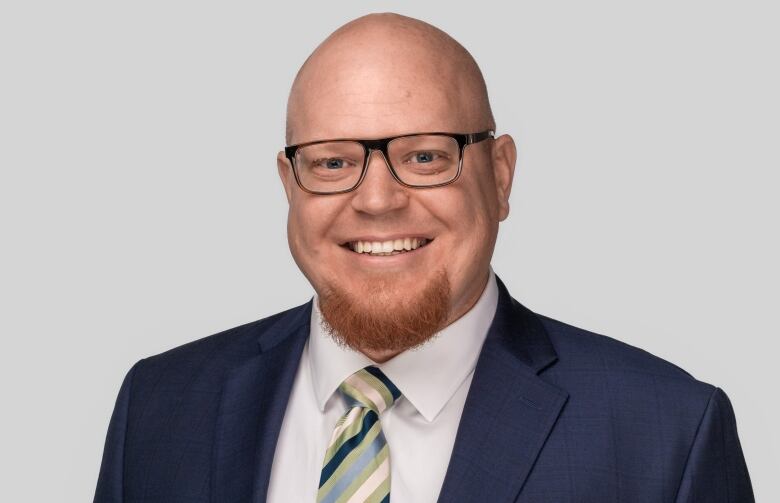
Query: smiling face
(386, 250)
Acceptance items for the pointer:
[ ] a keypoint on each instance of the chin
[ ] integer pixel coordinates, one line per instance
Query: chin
(386, 313)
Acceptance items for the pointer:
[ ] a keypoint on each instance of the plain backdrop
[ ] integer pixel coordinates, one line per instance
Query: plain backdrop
(140, 206)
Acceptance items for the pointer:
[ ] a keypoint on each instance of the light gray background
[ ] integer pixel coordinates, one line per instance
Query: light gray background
(141, 207)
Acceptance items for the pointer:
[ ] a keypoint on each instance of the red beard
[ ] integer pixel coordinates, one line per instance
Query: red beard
(385, 316)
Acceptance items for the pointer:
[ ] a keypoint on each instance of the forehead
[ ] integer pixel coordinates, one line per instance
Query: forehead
(345, 95)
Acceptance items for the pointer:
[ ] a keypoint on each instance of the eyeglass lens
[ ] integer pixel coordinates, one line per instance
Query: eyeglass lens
(419, 160)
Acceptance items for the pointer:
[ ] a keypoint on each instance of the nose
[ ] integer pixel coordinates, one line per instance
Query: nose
(379, 192)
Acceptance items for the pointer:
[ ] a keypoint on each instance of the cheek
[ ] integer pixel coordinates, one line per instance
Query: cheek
(465, 233)
(309, 220)
(471, 223)
(467, 210)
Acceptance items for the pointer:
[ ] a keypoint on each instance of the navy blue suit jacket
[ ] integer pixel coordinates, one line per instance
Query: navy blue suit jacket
(554, 414)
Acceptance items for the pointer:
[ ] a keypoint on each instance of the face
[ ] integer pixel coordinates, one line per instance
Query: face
(454, 226)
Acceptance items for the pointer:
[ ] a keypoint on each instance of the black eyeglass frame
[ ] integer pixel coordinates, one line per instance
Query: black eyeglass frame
(381, 144)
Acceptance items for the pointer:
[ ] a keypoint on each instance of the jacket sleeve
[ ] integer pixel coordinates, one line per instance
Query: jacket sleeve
(716, 471)
(110, 484)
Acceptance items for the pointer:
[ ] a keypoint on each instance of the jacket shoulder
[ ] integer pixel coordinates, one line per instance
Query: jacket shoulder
(582, 351)
(210, 357)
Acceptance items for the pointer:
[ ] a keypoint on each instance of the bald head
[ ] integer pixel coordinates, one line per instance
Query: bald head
(386, 74)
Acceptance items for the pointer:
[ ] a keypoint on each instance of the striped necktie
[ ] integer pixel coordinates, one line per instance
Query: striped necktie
(357, 461)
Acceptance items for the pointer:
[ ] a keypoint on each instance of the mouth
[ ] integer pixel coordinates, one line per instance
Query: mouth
(388, 247)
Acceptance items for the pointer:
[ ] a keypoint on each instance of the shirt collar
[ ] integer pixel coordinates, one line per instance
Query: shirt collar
(427, 376)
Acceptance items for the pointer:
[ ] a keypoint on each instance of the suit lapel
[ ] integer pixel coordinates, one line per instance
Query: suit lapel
(252, 407)
(509, 411)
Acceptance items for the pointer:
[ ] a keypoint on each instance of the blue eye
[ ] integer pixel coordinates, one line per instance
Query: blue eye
(334, 163)
(424, 157)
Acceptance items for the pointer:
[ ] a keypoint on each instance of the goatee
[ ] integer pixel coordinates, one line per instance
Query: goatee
(385, 315)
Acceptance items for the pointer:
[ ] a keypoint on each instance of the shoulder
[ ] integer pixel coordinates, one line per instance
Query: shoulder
(588, 359)
(204, 361)
(581, 347)
(649, 415)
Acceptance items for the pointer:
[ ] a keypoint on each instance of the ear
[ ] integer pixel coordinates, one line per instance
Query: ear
(286, 174)
(504, 157)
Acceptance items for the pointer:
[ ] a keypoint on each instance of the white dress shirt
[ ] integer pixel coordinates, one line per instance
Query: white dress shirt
(420, 428)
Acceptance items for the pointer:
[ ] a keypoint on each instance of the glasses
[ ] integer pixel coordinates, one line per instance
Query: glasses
(421, 160)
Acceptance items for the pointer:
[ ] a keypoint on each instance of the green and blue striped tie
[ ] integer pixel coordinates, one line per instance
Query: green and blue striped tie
(357, 461)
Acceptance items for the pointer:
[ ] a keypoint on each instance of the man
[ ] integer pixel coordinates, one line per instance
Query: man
(412, 373)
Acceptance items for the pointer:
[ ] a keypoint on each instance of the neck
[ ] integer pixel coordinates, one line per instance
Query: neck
(382, 355)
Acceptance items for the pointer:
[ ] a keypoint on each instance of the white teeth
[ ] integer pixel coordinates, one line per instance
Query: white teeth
(391, 247)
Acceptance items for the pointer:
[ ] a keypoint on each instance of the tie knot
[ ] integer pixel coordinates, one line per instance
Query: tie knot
(371, 388)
